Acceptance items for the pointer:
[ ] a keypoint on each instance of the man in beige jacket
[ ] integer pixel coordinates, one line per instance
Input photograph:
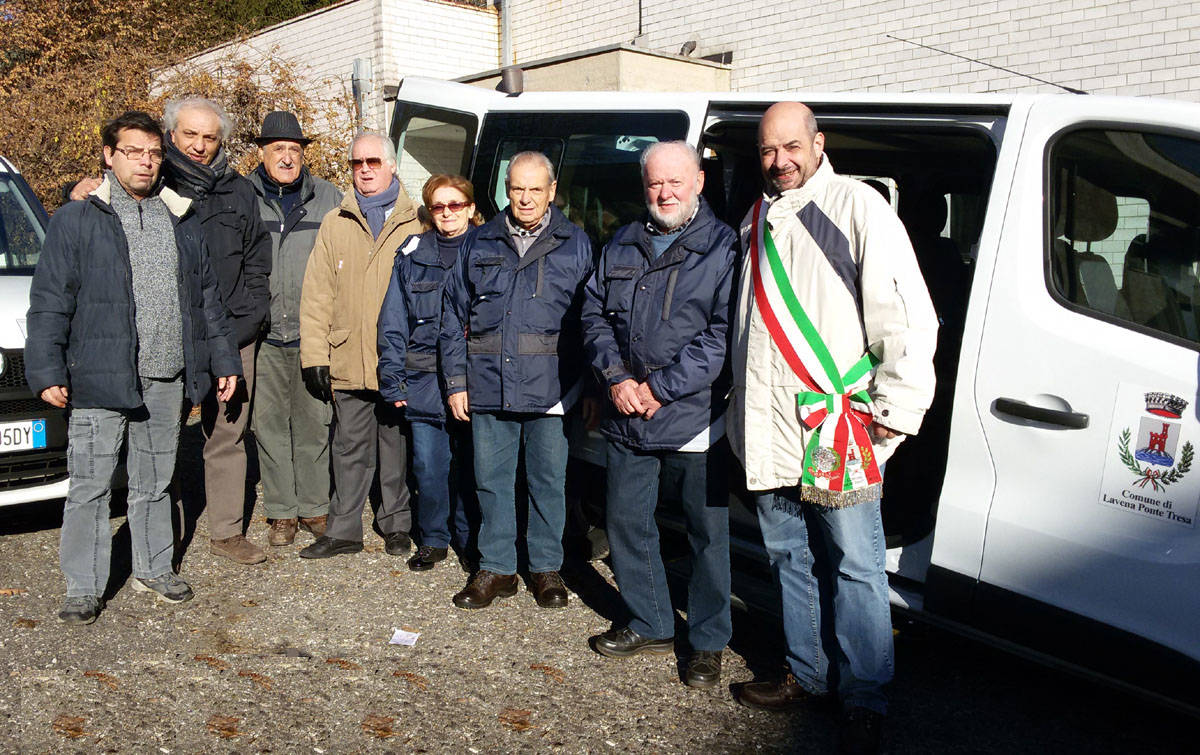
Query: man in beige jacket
(344, 285)
(832, 352)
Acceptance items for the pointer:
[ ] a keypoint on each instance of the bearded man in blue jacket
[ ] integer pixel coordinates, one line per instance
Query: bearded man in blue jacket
(656, 319)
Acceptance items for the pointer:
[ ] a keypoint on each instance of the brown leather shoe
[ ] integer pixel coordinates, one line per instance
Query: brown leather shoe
(485, 587)
(314, 524)
(282, 532)
(781, 694)
(238, 549)
(548, 589)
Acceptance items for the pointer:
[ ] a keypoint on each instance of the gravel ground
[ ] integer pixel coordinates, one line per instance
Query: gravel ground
(293, 655)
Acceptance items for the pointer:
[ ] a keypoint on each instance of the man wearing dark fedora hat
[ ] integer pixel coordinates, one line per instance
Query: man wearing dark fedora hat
(290, 425)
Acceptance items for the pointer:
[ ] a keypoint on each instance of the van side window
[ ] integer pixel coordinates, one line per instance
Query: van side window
(596, 156)
(428, 141)
(1124, 228)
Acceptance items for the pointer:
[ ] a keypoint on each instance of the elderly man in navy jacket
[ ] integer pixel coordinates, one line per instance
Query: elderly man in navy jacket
(510, 362)
(655, 322)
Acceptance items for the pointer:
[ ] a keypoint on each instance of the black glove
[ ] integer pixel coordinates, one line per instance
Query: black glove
(316, 380)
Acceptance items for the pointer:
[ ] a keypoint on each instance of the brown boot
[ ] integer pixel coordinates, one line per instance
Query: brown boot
(282, 532)
(314, 524)
(485, 587)
(238, 549)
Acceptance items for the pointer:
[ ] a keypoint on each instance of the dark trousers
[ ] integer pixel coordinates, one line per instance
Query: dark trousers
(698, 479)
(368, 436)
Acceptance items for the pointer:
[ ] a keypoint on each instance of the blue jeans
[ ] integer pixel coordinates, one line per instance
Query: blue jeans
(831, 561)
(498, 440)
(442, 466)
(699, 481)
(95, 437)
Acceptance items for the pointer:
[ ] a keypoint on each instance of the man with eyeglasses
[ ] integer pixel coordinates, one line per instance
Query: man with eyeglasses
(125, 319)
(290, 425)
(344, 285)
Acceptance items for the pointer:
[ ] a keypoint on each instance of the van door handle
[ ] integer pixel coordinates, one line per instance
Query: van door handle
(1072, 420)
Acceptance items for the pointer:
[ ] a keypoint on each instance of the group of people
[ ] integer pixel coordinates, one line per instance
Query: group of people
(802, 341)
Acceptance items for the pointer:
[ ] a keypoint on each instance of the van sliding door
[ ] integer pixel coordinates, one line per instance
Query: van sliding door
(1087, 392)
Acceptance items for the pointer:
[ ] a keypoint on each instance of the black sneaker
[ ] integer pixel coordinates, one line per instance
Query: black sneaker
(397, 543)
(861, 732)
(169, 587)
(79, 609)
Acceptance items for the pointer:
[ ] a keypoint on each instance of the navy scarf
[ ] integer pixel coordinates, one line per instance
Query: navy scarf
(375, 207)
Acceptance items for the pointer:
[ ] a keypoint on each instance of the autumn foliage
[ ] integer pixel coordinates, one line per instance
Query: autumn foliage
(67, 66)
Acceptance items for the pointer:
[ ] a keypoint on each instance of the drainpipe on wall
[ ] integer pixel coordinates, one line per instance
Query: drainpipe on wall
(506, 53)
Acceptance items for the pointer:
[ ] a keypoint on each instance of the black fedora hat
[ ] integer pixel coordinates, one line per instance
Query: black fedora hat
(280, 125)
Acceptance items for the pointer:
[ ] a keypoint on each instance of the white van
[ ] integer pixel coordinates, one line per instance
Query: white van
(1050, 501)
(33, 434)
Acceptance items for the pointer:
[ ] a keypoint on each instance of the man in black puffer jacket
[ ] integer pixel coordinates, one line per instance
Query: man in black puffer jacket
(240, 248)
(124, 319)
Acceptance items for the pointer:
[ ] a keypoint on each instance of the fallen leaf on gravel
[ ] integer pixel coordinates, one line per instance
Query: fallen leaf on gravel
(380, 726)
(8, 592)
(224, 726)
(103, 678)
(415, 680)
(262, 681)
(397, 573)
(216, 663)
(24, 623)
(249, 603)
(555, 674)
(373, 548)
(69, 726)
(342, 663)
(515, 719)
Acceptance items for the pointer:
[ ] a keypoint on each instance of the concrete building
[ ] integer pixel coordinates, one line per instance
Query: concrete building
(1124, 47)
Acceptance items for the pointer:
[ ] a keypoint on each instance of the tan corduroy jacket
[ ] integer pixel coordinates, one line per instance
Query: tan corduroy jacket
(344, 285)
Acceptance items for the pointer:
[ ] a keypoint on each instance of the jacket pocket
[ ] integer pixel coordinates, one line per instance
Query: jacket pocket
(425, 301)
(619, 283)
(341, 361)
(666, 310)
(537, 343)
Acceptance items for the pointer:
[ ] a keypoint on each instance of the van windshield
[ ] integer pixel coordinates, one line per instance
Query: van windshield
(22, 226)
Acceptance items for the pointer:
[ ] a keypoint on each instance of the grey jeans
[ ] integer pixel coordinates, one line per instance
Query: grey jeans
(95, 437)
(292, 431)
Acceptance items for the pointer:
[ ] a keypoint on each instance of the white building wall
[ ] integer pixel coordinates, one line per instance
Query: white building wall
(1127, 47)
(396, 37)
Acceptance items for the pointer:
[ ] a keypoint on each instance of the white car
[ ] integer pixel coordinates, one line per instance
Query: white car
(33, 434)
(1050, 501)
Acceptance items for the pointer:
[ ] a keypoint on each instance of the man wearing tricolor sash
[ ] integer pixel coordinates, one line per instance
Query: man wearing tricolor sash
(832, 355)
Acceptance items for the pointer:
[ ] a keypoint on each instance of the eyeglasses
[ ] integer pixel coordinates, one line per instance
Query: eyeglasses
(137, 153)
(454, 207)
(374, 163)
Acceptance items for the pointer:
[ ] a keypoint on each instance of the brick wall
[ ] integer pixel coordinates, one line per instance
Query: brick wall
(1133, 47)
(396, 37)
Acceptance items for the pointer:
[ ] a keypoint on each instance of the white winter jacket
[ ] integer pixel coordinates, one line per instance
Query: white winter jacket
(853, 269)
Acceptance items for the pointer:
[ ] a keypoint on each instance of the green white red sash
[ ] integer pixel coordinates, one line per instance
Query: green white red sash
(839, 459)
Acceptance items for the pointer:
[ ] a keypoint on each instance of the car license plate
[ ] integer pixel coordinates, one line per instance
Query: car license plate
(26, 435)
